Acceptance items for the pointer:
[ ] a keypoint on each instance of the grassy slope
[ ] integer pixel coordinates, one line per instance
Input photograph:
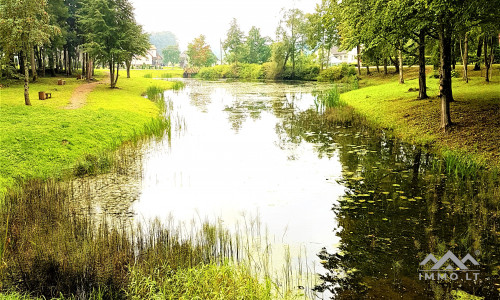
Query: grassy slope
(391, 105)
(44, 139)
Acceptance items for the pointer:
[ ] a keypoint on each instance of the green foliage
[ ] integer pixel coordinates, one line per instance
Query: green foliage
(258, 49)
(200, 54)
(24, 24)
(241, 71)
(171, 55)
(201, 282)
(331, 98)
(93, 164)
(111, 33)
(234, 43)
(271, 70)
(337, 73)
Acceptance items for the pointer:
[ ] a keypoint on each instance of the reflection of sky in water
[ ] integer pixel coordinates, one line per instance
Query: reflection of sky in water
(215, 171)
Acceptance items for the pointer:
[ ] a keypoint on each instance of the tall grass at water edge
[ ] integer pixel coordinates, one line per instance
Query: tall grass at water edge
(51, 248)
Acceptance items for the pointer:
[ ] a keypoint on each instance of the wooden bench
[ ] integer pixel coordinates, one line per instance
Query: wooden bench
(61, 82)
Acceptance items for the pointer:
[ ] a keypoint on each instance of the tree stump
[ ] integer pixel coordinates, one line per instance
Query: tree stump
(42, 96)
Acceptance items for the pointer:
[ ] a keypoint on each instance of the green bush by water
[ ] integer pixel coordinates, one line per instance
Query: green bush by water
(340, 73)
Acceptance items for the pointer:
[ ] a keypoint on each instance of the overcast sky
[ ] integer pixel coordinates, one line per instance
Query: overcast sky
(188, 19)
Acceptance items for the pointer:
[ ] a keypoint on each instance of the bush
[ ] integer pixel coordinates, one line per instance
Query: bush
(242, 71)
(337, 73)
(270, 70)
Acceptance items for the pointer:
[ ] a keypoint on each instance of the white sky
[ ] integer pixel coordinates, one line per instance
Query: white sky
(188, 19)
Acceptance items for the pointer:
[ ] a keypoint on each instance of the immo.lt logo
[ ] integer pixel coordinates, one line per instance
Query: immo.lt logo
(449, 267)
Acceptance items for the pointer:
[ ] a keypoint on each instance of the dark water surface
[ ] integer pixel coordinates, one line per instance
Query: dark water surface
(354, 205)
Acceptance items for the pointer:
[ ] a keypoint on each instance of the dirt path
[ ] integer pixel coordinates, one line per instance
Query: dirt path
(79, 96)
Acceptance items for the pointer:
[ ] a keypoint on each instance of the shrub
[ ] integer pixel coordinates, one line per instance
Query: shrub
(270, 70)
(337, 73)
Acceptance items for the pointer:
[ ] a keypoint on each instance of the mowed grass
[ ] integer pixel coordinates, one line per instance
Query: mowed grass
(44, 140)
(476, 112)
(166, 72)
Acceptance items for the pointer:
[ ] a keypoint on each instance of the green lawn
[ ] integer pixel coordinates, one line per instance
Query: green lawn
(388, 104)
(44, 139)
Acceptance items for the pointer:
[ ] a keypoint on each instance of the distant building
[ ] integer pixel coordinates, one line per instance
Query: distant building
(338, 57)
(152, 58)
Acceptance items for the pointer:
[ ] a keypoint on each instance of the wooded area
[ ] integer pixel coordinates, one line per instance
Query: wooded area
(59, 37)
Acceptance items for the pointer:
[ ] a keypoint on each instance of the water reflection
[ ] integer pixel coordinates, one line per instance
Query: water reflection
(371, 206)
(232, 162)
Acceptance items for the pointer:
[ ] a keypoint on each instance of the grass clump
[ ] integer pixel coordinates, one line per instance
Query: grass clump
(148, 75)
(226, 281)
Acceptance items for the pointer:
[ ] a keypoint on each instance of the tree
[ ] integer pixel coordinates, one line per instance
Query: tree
(321, 30)
(171, 54)
(200, 54)
(258, 50)
(136, 45)
(109, 27)
(291, 33)
(23, 25)
(234, 43)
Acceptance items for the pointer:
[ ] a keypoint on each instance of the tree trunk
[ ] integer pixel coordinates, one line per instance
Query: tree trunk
(33, 66)
(367, 70)
(26, 81)
(378, 69)
(22, 64)
(328, 57)
(84, 65)
(488, 58)
(52, 64)
(322, 58)
(128, 63)
(358, 50)
(117, 74)
(58, 61)
(112, 73)
(445, 74)
(65, 58)
(385, 66)
(477, 66)
(465, 57)
(422, 87)
(42, 50)
(400, 58)
(89, 68)
(70, 65)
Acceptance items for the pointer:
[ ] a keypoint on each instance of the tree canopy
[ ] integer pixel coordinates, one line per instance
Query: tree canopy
(200, 54)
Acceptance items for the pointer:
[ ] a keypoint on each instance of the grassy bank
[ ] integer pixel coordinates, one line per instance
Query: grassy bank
(45, 140)
(473, 140)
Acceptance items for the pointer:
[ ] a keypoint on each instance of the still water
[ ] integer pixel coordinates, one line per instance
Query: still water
(355, 205)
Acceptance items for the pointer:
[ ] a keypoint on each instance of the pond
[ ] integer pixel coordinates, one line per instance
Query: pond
(349, 202)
